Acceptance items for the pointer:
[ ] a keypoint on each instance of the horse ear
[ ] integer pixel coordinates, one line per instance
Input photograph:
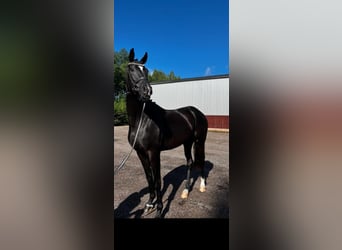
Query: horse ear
(131, 55)
(143, 59)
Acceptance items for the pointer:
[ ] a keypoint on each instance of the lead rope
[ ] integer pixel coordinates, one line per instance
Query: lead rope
(135, 139)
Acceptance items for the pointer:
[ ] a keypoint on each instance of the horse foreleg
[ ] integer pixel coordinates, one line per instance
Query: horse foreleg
(155, 165)
(150, 179)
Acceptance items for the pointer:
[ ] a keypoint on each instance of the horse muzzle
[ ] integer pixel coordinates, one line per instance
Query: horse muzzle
(144, 98)
(146, 92)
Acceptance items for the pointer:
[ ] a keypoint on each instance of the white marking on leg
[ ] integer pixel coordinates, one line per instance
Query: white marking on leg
(185, 194)
(202, 185)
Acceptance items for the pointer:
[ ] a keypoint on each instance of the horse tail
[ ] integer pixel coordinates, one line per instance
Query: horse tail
(199, 153)
(200, 136)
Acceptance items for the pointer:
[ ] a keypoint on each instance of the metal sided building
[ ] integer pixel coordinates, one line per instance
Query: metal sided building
(208, 94)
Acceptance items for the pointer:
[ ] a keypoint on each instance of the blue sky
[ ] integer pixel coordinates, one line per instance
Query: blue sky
(189, 37)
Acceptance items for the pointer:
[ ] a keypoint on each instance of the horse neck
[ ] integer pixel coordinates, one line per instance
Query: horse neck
(134, 108)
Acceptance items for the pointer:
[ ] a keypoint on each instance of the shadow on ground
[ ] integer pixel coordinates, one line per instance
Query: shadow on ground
(174, 178)
(124, 210)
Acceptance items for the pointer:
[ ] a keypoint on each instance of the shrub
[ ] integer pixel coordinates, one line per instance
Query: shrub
(120, 113)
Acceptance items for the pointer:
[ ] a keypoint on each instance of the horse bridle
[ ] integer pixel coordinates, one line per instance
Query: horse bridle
(139, 64)
(136, 63)
(136, 134)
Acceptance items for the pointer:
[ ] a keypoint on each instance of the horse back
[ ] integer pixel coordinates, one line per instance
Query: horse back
(185, 124)
(168, 129)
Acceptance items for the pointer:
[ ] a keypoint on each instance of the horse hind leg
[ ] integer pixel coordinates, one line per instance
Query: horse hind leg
(199, 149)
(189, 163)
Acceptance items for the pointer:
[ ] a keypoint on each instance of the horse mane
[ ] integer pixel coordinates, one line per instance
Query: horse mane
(154, 107)
(156, 113)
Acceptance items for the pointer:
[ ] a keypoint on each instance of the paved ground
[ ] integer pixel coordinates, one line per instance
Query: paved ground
(130, 185)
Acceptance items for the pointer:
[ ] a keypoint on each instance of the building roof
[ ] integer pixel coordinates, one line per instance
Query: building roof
(193, 79)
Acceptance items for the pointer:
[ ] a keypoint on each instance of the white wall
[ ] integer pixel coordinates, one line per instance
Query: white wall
(211, 96)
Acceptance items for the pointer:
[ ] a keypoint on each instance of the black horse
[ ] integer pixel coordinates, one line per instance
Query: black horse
(160, 130)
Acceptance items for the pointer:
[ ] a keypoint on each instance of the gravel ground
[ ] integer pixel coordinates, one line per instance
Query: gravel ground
(130, 184)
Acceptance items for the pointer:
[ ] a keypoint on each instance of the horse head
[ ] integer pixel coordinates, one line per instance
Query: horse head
(137, 82)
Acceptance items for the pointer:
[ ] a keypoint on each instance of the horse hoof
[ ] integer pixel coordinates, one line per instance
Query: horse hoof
(148, 207)
(185, 194)
(202, 185)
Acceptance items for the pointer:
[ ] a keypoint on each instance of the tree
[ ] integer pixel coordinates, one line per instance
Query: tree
(159, 76)
(172, 76)
(121, 57)
(120, 65)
